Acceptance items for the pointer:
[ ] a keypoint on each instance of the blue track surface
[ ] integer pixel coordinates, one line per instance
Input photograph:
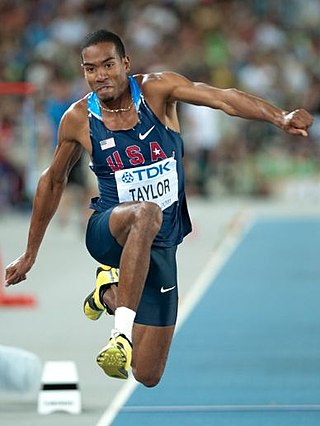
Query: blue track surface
(249, 354)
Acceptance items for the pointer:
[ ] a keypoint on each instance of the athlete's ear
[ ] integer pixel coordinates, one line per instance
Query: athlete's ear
(126, 63)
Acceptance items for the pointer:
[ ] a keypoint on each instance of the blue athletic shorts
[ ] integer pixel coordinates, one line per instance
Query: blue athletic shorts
(159, 301)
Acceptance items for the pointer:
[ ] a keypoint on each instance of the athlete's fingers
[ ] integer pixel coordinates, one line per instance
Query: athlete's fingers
(297, 122)
(295, 131)
(13, 276)
(14, 280)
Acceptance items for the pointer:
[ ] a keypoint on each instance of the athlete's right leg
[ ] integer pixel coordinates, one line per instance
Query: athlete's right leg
(122, 238)
(133, 226)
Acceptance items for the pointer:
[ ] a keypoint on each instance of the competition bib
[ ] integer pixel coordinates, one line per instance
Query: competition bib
(157, 182)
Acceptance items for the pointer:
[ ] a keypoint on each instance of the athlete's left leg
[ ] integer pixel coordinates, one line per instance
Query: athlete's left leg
(154, 322)
(150, 352)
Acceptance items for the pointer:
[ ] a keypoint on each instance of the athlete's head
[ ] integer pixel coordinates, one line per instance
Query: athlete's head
(105, 64)
(103, 36)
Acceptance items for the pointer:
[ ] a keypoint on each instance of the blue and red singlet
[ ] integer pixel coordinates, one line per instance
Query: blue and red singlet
(143, 163)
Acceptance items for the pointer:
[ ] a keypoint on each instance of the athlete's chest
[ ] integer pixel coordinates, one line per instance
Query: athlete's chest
(147, 142)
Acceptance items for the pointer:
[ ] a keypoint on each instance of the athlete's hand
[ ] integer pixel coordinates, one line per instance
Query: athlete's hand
(17, 270)
(297, 122)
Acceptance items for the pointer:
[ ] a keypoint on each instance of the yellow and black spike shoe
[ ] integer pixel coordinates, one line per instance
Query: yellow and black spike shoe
(115, 358)
(94, 305)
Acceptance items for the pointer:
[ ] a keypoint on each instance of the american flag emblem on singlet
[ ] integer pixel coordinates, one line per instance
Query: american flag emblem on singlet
(107, 143)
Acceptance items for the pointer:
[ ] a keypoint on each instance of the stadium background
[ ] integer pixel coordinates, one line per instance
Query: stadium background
(269, 48)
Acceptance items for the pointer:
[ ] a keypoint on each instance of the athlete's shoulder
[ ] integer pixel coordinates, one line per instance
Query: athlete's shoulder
(161, 82)
(76, 113)
(158, 78)
(74, 121)
(77, 108)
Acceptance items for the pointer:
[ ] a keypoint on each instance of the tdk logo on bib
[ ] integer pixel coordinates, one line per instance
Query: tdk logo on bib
(146, 173)
(157, 183)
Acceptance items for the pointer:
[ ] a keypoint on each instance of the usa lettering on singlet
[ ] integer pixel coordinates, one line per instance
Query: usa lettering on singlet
(157, 182)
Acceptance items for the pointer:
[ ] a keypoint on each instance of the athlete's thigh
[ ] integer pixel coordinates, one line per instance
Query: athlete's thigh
(150, 352)
(100, 242)
(159, 301)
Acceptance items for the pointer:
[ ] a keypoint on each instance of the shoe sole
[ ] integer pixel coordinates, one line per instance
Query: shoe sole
(113, 361)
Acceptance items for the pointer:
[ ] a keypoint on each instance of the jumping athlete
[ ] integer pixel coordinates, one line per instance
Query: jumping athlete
(129, 126)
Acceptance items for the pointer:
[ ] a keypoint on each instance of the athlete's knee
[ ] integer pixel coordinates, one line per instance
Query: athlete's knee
(149, 216)
(147, 378)
(142, 219)
(145, 373)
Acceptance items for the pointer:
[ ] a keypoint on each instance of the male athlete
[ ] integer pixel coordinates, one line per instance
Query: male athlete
(129, 126)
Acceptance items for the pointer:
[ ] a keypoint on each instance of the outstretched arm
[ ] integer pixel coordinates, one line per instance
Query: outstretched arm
(174, 87)
(47, 197)
(241, 104)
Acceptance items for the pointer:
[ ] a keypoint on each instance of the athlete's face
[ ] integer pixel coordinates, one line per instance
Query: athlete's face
(105, 71)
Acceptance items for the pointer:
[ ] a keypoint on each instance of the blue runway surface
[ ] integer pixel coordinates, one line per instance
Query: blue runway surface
(249, 354)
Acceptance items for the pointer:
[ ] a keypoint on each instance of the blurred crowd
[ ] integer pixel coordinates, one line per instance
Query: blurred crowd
(267, 47)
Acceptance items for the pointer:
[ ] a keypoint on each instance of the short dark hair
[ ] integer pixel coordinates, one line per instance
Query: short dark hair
(101, 36)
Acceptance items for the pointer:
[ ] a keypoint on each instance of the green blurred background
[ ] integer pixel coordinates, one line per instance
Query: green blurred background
(267, 47)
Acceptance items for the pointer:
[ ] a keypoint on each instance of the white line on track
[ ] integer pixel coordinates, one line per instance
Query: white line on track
(221, 408)
(237, 229)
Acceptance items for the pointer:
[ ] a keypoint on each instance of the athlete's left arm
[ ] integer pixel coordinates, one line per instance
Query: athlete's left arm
(236, 103)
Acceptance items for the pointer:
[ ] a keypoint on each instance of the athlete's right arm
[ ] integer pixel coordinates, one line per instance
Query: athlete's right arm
(48, 195)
